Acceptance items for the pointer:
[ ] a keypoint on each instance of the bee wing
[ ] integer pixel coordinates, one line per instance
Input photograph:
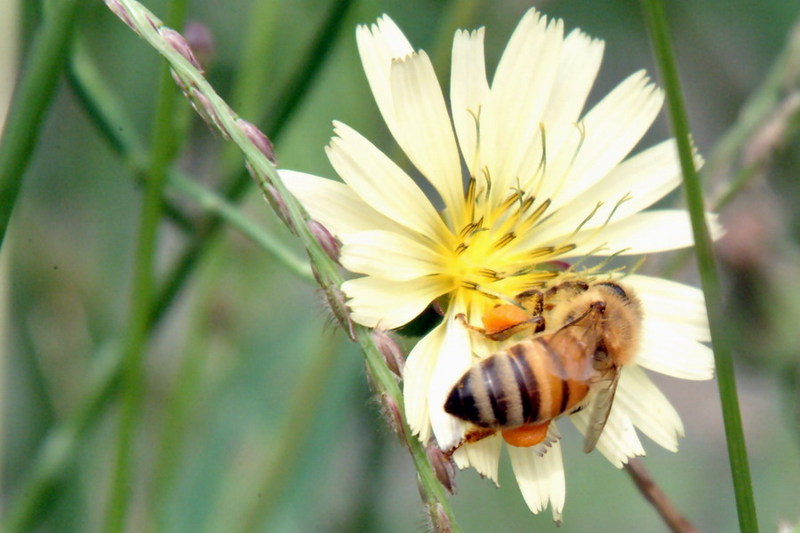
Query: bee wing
(569, 352)
(601, 409)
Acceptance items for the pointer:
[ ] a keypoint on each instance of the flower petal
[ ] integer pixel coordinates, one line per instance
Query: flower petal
(579, 63)
(389, 256)
(619, 441)
(378, 45)
(469, 92)
(381, 183)
(416, 381)
(631, 187)
(423, 124)
(334, 204)
(642, 233)
(390, 304)
(454, 359)
(676, 356)
(672, 306)
(540, 478)
(649, 410)
(520, 92)
(484, 456)
(602, 139)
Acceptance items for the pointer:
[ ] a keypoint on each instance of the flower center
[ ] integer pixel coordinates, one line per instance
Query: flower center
(487, 256)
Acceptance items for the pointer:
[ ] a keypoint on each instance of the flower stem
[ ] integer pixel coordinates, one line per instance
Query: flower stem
(737, 453)
(326, 271)
(62, 442)
(31, 99)
(283, 108)
(163, 145)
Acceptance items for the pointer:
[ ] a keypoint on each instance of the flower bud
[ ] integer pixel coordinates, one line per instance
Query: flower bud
(326, 240)
(440, 522)
(275, 200)
(391, 413)
(257, 137)
(203, 106)
(389, 350)
(179, 44)
(442, 467)
(337, 306)
(122, 12)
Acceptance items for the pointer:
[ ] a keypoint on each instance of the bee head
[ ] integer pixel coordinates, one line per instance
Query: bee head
(621, 322)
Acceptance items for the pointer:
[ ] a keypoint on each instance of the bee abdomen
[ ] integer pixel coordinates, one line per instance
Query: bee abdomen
(496, 392)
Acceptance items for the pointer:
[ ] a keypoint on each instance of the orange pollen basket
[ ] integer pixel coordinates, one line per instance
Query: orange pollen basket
(503, 317)
(526, 436)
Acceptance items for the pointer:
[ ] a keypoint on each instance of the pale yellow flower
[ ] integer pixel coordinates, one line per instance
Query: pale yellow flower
(521, 176)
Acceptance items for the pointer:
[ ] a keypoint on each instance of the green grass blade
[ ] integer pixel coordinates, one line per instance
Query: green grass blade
(162, 149)
(734, 434)
(31, 100)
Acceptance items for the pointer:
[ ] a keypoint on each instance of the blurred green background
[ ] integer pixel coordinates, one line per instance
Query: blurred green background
(258, 415)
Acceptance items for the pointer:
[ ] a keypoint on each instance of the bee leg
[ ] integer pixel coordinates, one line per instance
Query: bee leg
(472, 436)
(535, 323)
(503, 321)
(526, 436)
(532, 301)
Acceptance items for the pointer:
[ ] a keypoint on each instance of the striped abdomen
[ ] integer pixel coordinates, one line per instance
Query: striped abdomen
(530, 382)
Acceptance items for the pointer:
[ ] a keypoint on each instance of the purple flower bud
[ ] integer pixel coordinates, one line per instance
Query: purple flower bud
(443, 467)
(203, 106)
(120, 11)
(394, 419)
(179, 44)
(440, 522)
(258, 138)
(337, 305)
(390, 350)
(325, 239)
(275, 200)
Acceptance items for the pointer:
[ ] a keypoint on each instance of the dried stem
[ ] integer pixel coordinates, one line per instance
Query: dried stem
(653, 493)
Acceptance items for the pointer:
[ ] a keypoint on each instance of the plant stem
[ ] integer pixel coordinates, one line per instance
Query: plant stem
(285, 105)
(326, 271)
(737, 453)
(48, 466)
(31, 100)
(676, 522)
(162, 149)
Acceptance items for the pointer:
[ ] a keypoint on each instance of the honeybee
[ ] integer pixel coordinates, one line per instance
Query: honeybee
(590, 332)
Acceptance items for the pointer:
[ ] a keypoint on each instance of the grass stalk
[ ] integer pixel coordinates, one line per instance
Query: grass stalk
(285, 105)
(163, 144)
(31, 100)
(326, 271)
(726, 380)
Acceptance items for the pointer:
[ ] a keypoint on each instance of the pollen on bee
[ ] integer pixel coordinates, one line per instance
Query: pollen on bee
(503, 317)
(526, 436)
